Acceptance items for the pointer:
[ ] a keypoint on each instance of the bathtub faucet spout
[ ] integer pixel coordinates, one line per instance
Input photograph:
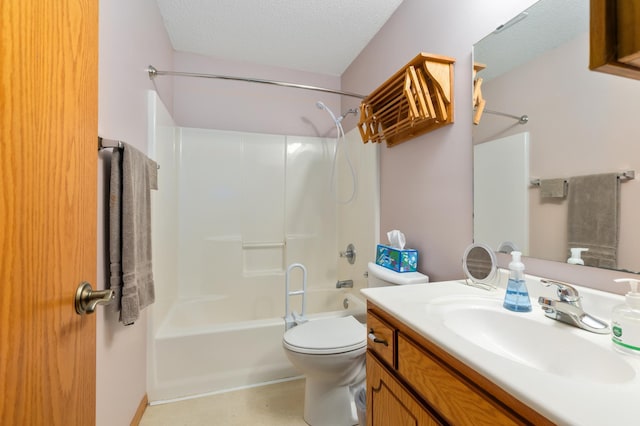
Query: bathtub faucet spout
(344, 284)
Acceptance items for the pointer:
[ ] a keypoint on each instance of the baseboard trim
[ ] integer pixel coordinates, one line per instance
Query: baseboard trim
(140, 411)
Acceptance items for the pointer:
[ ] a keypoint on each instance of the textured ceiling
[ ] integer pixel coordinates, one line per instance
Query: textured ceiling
(322, 36)
(548, 24)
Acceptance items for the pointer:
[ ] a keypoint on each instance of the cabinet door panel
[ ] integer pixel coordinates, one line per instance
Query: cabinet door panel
(389, 403)
(456, 400)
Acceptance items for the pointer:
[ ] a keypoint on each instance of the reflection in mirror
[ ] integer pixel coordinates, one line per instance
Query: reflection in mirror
(479, 265)
(507, 247)
(581, 123)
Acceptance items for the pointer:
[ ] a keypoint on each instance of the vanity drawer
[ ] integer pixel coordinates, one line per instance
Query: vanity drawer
(457, 400)
(381, 338)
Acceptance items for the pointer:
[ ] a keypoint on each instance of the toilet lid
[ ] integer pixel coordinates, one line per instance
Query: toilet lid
(326, 336)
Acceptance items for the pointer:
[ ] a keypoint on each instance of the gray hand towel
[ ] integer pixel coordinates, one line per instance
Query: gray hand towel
(553, 188)
(115, 229)
(133, 175)
(594, 205)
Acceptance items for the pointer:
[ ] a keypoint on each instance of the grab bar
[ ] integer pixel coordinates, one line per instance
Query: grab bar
(291, 318)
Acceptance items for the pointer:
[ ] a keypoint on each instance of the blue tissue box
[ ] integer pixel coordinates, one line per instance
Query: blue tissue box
(405, 260)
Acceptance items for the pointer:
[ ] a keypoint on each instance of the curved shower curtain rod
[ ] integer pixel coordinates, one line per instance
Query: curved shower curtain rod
(153, 72)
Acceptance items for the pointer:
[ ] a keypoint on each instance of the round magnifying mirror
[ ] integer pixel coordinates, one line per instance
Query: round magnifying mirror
(479, 264)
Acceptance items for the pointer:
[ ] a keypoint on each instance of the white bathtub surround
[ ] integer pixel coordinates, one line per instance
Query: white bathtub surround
(205, 345)
(235, 210)
(249, 205)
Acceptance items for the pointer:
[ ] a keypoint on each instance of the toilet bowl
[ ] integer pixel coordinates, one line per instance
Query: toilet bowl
(331, 352)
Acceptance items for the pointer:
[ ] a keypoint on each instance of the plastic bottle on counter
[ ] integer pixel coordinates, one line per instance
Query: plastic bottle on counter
(625, 321)
(576, 256)
(517, 297)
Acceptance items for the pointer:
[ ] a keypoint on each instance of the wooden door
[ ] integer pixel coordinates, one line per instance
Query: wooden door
(48, 159)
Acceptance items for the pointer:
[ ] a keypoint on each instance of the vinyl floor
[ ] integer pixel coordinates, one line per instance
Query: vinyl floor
(279, 404)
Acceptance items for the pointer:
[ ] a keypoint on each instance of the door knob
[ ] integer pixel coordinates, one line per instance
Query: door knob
(87, 299)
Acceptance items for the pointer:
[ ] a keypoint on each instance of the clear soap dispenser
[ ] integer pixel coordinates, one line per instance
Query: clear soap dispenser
(517, 297)
(625, 321)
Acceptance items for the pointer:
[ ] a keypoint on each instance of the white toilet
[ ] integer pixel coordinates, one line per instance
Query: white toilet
(330, 353)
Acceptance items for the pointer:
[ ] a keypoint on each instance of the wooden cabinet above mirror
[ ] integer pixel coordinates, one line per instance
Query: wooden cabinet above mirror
(615, 37)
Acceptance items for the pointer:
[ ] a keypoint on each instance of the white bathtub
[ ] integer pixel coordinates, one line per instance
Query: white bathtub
(203, 347)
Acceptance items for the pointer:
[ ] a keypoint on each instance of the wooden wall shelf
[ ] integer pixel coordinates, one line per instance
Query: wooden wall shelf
(415, 100)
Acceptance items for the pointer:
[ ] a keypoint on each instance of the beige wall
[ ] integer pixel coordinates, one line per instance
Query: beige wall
(131, 37)
(426, 183)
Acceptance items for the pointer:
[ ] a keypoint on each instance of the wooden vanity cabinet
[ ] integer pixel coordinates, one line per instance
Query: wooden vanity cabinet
(412, 381)
(390, 403)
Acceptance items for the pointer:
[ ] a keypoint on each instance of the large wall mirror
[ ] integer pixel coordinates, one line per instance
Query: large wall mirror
(580, 123)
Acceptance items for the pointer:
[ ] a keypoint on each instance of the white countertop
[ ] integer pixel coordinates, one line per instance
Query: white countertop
(563, 399)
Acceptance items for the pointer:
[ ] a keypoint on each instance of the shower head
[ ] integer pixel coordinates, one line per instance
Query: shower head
(321, 105)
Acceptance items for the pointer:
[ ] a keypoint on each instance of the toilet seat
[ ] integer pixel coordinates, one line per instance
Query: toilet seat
(326, 336)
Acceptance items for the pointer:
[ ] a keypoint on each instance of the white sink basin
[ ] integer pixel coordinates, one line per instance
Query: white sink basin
(566, 374)
(531, 340)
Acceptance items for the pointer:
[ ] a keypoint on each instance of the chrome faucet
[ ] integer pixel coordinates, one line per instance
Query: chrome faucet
(344, 284)
(568, 308)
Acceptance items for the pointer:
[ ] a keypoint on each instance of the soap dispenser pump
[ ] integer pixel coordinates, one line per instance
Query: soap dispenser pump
(576, 256)
(517, 296)
(625, 321)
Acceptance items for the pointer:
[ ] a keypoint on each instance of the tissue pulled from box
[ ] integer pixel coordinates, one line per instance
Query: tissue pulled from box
(396, 239)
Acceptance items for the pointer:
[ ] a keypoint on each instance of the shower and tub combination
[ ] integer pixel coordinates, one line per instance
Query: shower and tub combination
(234, 210)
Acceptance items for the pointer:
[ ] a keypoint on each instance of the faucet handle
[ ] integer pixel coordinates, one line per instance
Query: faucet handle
(548, 306)
(350, 254)
(566, 292)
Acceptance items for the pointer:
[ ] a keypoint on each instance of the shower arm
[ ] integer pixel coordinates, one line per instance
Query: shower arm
(353, 111)
(522, 119)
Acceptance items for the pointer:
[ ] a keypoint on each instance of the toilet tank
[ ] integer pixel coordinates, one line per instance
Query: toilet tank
(380, 276)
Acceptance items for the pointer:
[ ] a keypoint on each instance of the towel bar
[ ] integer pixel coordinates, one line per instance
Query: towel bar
(623, 176)
(111, 143)
(108, 143)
